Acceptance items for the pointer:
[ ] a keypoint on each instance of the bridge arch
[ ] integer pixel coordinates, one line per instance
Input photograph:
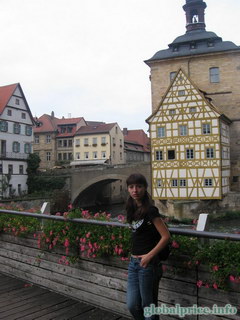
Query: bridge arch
(97, 180)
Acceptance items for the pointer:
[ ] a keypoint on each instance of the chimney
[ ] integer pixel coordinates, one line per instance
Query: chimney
(125, 131)
(52, 114)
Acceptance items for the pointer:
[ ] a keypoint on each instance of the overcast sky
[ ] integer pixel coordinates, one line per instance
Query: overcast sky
(85, 57)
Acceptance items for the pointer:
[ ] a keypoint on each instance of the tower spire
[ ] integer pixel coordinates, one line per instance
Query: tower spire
(195, 11)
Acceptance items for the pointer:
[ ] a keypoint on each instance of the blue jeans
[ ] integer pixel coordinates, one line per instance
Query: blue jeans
(142, 287)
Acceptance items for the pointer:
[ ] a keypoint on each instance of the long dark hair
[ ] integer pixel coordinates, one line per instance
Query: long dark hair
(134, 212)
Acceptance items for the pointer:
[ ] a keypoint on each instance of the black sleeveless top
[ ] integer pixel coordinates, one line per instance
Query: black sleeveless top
(144, 234)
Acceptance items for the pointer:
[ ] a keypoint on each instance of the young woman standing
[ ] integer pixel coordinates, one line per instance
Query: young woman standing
(149, 236)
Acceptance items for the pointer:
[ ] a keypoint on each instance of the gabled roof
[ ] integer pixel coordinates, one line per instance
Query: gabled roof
(6, 93)
(137, 137)
(181, 75)
(104, 128)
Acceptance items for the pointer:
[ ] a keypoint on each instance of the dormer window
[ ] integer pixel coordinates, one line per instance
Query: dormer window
(193, 45)
(175, 49)
(172, 112)
(210, 44)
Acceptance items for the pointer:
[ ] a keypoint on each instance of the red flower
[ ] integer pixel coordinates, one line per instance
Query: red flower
(232, 278)
(175, 244)
(199, 283)
(215, 286)
(215, 268)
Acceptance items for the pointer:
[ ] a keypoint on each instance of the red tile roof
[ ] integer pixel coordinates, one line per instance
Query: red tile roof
(47, 124)
(5, 94)
(137, 136)
(103, 128)
(68, 120)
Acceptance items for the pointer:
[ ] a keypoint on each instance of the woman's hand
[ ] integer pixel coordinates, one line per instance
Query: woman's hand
(145, 259)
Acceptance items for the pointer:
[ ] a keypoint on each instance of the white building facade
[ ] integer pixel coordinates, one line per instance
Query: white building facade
(16, 138)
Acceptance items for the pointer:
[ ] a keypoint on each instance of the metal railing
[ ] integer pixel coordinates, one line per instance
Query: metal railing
(177, 231)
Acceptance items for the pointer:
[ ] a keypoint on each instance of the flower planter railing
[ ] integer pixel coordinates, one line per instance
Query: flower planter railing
(101, 281)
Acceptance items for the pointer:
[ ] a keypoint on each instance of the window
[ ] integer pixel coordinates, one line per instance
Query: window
(94, 141)
(159, 155)
(23, 115)
(206, 128)
(85, 142)
(159, 183)
(59, 143)
(172, 112)
(3, 126)
(209, 153)
(103, 141)
(94, 154)
(69, 129)
(70, 143)
(193, 45)
(65, 142)
(16, 146)
(171, 154)
(9, 112)
(86, 155)
(19, 189)
(77, 143)
(1, 168)
(17, 101)
(182, 130)
(48, 138)
(10, 169)
(64, 156)
(181, 93)
(59, 157)
(121, 157)
(63, 129)
(182, 182)
(208, 182)
(48, 156)
(114, 142)
(235, 179)
(16, 128)
(172, 75)
(103, 154)
(120, 142)
(70, 156)
(161, 132)
(28, 131)
(174, 183)
(78, 155)
(116, 130)
(36, 139)
(113, 154)
(214, 75)
(192, 109)
(27, 148)
(20, 169)
(190, 154)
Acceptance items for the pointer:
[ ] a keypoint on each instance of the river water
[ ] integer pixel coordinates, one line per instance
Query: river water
(228, 226)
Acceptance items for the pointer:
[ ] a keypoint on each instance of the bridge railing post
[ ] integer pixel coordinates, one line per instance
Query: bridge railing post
(45, 209)
(203, 225)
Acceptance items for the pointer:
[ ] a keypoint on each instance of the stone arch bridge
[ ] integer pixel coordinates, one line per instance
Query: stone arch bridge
(92, 183)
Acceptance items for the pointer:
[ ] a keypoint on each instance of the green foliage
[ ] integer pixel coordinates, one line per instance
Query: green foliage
(33, 162)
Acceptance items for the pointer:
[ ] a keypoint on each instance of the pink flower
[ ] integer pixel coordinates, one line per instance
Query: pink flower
(34, 236)
(51, 233)
(199, 283)
(66, 243)
(195, 221)
(197, 263)
(215, 286)
(58, 214)
(175, 244)
(96, 215)
(82, 247)
(112, 237)
(83, 240)
(65, 215)
(121, 218)
(70, 206)
(215, 268)
(232, 278)
(207, 285)
(88, 234)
